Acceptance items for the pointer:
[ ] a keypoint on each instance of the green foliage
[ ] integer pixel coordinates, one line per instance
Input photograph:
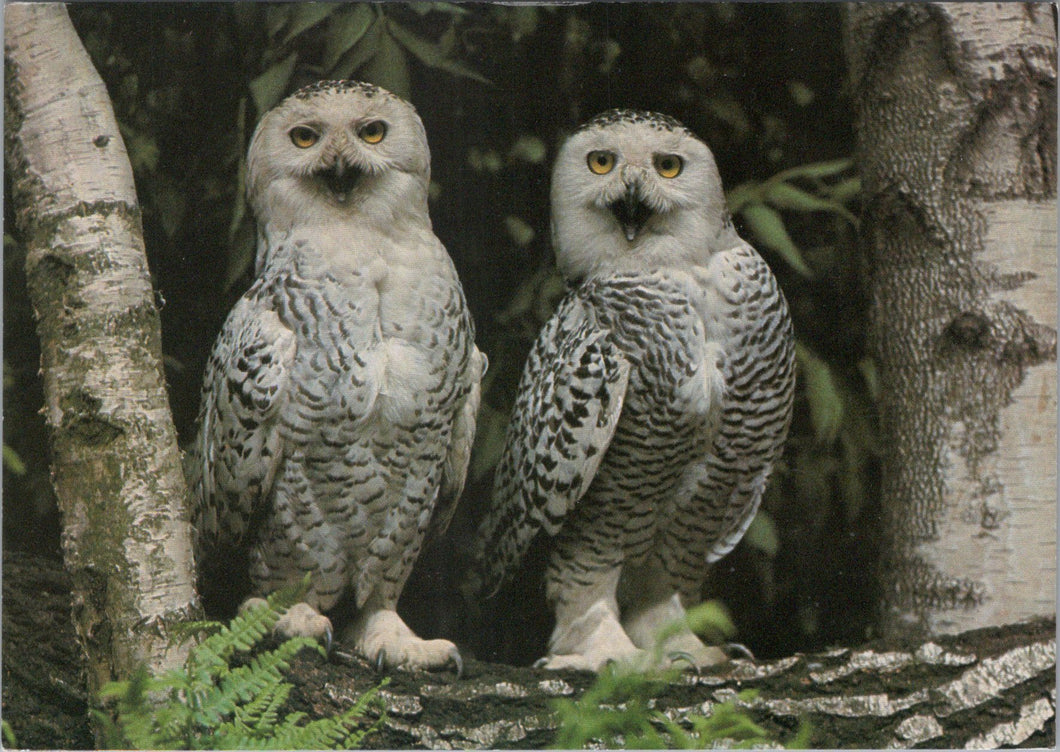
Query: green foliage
(759, 204)
(13, 462)
(9, 735)
(212, 704)
(619, 711)
(337, 40)
(822, 393)
(521, 233)
(433, 55)
(710, 620)
(767, 225)
(271, 84)
(728, 722)
(762, 534)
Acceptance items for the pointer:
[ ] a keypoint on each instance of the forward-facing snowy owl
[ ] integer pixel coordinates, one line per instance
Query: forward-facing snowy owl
(339, 402)
(654, 402)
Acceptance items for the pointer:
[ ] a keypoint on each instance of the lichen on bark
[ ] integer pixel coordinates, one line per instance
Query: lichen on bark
(115, 462)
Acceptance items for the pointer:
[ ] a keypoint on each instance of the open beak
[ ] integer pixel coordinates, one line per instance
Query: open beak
(631, 212)
(340, 178)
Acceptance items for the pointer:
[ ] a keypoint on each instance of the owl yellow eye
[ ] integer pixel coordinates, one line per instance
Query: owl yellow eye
(303, 137)
(372, 132)
(668, 165)
(601, 162)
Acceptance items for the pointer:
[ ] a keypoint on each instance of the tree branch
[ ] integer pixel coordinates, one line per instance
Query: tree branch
(988, 688)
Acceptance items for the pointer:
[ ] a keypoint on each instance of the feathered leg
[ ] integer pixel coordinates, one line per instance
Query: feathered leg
(581, 583)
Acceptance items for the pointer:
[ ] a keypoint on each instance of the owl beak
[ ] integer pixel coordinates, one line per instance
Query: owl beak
(631, 211)
(340, 178)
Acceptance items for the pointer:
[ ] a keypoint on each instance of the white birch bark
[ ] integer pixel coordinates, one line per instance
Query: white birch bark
(956, 114)
(115, 462)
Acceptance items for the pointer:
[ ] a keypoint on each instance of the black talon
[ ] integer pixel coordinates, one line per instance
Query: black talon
(327, 640)
(736, 647)
(380, 660)
(681, 655)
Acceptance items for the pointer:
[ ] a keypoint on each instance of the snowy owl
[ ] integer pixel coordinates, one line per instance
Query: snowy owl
(654, 403)
(339, 401)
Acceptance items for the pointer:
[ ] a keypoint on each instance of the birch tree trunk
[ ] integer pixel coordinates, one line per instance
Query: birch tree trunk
(115, 462)
(955, 110)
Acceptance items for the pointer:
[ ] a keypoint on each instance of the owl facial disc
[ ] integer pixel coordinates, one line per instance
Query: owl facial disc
(631, 211)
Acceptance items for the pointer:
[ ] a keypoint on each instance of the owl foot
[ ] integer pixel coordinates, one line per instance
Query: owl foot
(383, 638)
(685, 649)
(704, 656)
(579, 662)
(590, 642)
(300, 620)
(646, 623)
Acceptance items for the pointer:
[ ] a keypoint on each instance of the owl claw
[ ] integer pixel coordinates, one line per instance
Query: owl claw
(742, 650)
(683, 655)
(380, 660)
(541, 662)
(686, 657)
(300, 620)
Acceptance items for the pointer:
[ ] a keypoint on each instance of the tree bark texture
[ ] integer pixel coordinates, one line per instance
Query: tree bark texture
(115, 462)
(955, 109)
(981, 690)
(985, 689)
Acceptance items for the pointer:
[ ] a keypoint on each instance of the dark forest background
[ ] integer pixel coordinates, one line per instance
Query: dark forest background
(497, 88)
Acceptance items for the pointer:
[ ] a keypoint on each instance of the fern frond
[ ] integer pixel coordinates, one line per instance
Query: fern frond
(284, 598)
(264, 671)
(253, 724)
(345, 731)
(185, 630)
(266, 714)
(212, 705)
(241, 634)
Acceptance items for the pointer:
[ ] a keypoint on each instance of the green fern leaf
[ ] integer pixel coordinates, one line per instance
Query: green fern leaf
(211, 705)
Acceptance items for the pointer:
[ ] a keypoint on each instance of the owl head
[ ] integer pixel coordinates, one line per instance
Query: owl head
(337, 150)
(635, 191)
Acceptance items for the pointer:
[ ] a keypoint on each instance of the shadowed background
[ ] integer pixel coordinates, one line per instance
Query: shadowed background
(497, 87)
